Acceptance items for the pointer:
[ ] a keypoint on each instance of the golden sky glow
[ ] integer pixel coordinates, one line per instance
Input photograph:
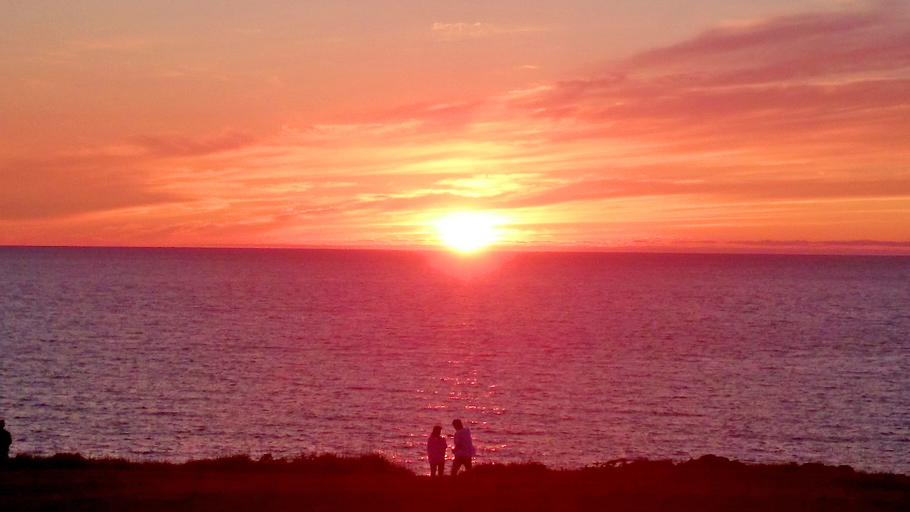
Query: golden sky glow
(707, 125)
(469, 231)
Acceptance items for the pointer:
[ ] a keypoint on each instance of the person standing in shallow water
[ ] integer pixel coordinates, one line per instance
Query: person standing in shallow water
(6, 440)
(464, 448)
(436, 452)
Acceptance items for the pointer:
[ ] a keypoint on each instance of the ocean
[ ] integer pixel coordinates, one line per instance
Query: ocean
(569, 359)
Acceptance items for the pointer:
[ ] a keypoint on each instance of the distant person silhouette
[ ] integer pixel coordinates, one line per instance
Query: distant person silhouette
(436, 452)
(464, 448)
(6, 440)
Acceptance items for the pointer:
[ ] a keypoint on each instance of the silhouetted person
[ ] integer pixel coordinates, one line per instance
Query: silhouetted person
(436, 452)
(464, 448)
(6, 440)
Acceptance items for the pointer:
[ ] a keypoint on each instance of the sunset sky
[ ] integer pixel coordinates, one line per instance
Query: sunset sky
(709, 125)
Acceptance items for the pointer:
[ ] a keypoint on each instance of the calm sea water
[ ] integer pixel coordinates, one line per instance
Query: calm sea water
(567, 358)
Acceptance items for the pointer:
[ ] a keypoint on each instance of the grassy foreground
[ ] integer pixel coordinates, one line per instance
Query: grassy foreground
(370, 483)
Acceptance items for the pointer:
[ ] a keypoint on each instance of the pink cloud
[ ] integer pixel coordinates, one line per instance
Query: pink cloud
(808, 84)
(800, 51)
(794, 46)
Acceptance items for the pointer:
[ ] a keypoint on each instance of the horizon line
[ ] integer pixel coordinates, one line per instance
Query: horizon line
(765, 248)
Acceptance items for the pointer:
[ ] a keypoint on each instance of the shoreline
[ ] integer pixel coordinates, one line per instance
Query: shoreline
(370, 482)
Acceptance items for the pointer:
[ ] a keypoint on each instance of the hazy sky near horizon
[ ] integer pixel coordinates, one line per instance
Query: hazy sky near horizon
(708, 124)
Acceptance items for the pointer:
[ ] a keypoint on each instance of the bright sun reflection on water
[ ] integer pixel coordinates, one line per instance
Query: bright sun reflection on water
(468, 231)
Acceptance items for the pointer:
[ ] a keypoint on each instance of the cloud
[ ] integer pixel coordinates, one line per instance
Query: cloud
(791, 127)
(808, 85)
(178, 145)
(478, 30)
(63, 187)
(794, 46)
(110, 178)
(814, 77)
(758, 190)
(782, 120)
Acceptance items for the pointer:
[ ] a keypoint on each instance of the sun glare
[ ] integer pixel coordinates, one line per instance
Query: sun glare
(468, 231)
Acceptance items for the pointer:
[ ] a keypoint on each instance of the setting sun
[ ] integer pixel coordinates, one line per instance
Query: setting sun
(468, 231)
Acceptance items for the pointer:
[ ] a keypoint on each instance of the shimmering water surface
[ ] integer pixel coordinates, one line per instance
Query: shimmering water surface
(567, 359)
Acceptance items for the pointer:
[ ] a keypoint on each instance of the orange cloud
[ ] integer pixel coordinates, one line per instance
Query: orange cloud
(177, 145)
(67, 186)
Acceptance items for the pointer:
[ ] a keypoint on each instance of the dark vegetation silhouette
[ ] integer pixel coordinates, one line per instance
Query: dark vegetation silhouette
(323, 464)
(6, 440)
(371, 482)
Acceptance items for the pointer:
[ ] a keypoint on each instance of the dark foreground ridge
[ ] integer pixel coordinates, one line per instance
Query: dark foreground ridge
(372, 483)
